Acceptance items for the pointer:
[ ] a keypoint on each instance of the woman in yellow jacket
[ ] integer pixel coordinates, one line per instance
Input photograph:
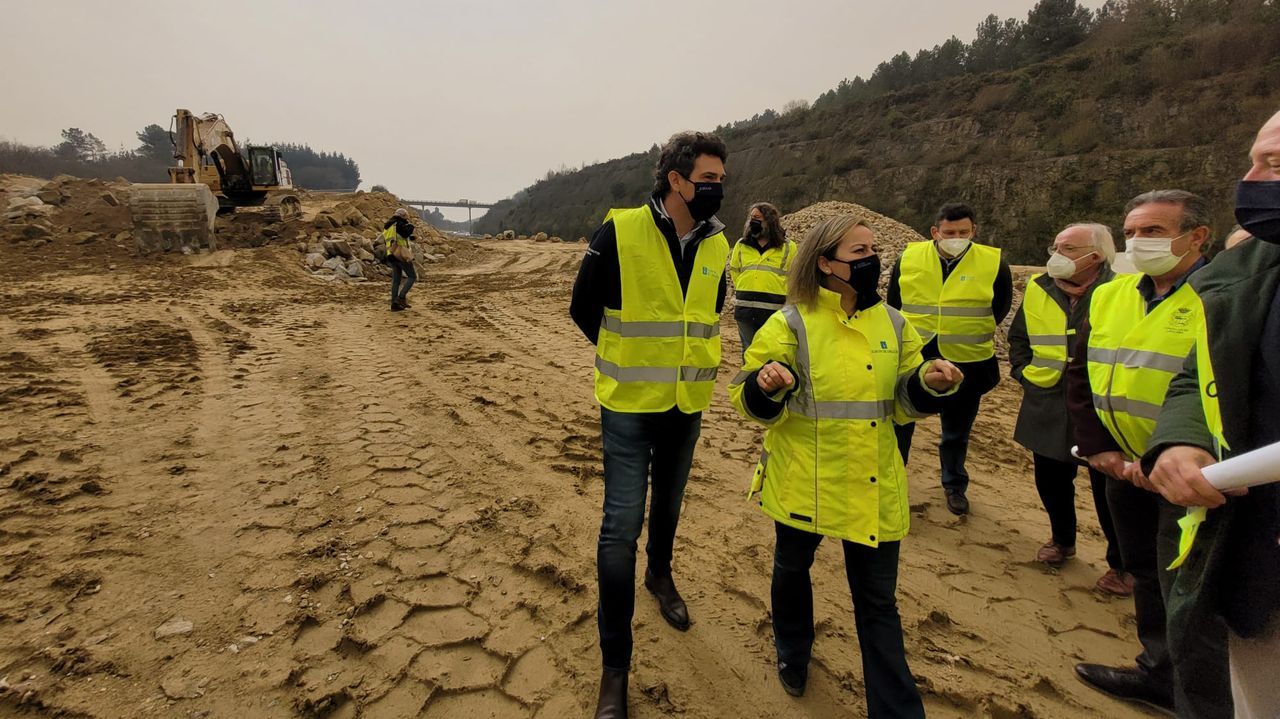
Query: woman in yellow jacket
(829, 375)
(759, 265)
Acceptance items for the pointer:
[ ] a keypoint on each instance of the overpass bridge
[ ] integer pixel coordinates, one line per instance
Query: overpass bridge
(424, 205)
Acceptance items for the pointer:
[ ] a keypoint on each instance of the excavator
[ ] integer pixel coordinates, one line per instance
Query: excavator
(213, 175)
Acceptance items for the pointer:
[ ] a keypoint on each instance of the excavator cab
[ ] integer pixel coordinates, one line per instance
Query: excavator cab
(264, 164)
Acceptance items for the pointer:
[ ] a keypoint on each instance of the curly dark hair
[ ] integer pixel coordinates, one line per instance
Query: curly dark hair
(679, 154)
(772, 226)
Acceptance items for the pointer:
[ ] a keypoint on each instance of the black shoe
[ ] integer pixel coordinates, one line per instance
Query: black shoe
(1127, 684)
(957, 503)
(613, 695)
(793, 679)
(396, 307)
(405, 303)
(669, 602)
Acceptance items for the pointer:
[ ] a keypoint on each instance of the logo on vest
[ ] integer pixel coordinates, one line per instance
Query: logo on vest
(1180, 321)
(706, 270)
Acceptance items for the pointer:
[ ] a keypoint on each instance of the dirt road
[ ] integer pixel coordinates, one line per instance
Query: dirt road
(333, 510)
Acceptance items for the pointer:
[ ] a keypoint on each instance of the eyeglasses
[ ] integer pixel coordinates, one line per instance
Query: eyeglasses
(1067, 249)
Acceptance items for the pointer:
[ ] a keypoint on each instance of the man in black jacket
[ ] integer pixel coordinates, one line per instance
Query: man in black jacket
(1233, 569)
(649, 295)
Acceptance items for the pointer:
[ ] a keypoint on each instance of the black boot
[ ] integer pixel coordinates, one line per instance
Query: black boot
(1127, 684)
(613, 695)
(669, 602)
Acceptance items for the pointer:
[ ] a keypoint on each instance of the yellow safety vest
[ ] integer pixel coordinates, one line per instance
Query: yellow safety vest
(958, 311)
(662, 349)
(830, 463)
(760, 278)
(1050, 337)
(1195, 516)
(1133, 356)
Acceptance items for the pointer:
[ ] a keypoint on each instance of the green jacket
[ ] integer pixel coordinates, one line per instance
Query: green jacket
(1237, 289)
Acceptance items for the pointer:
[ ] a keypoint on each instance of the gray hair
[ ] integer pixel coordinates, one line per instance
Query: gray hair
(1100, 236)
(1195, 209)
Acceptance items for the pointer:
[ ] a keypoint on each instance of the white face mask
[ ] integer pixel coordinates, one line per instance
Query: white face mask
(1153, 255)
(1061, 267)
(954, 246)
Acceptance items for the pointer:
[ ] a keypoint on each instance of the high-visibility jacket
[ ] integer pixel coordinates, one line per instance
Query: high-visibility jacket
(1050, 338)
(1133, 356)
(760, 277)
(1213, 422)
(958, 311)
(662, 348)
(830, 463)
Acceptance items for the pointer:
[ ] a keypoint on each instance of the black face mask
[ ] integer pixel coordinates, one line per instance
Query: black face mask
(864, 278)
(755, 227)
(706, 200)
(1258, 209)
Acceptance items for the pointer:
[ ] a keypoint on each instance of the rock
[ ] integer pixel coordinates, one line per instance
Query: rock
(110, 198)
(540, 237)
(582, 240)
(84, 238)
(339, 247)
(270, 232)
(122, 237)
(335, 263)
(364, 255)
(315, 248)
(174, 627)
(52, 196)
(21, 202)
(556, 239)
(366, 244)
(314, 260)
(36, 231)
(301, 247)
(355, 269)
(182, 687)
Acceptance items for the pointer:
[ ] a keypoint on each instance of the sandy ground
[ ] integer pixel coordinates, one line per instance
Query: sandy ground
(367, 514)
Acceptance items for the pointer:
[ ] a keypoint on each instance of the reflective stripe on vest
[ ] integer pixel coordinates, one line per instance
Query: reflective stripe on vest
(1133, 356)
(958, 310)
(1048, 334)
(662, 348)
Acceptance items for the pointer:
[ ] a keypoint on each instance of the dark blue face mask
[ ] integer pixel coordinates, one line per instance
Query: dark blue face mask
(1258, 208)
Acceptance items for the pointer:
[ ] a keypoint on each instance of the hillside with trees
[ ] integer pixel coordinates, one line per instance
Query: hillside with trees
(1057, 118)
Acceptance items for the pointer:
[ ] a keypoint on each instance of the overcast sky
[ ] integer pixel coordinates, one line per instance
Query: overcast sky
(444, 99)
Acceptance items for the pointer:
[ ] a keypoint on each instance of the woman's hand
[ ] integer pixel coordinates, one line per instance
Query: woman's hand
(941, 375)
(773, 377)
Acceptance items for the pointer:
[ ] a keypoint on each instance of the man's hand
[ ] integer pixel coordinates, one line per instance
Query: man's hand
(773, 377)
(1109, 463)
(1177, 476)
(1134, 475)
(941, 375)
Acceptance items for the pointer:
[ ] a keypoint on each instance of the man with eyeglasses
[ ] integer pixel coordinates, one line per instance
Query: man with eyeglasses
(955, 292)
(1041, 336)
(1139, 331)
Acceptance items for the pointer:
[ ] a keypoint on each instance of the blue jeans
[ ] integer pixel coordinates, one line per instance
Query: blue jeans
(398, 268)
(957, 423)
(639, 450)
(872, 573)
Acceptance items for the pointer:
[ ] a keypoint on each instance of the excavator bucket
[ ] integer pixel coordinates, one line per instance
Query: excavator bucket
(173, 217)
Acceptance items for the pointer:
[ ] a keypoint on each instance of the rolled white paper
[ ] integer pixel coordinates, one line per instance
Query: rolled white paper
(1261, 466)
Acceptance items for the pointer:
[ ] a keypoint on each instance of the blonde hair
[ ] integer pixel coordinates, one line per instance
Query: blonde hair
(821, 239)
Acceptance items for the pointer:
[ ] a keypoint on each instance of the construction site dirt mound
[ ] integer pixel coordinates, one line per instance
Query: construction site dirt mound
(69, 222)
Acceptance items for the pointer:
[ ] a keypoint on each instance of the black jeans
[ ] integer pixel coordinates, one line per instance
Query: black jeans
(400, 268)
(639, 450)
(957, 422)
(1197, 676)
(1056, 483)
(873, 580)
